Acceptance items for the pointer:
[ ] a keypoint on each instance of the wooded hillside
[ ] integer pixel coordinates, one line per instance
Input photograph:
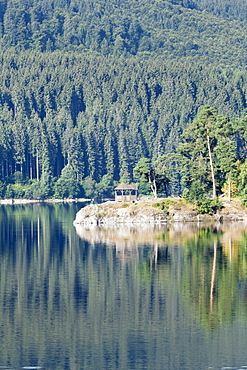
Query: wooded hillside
(205, 30)
(99, 85)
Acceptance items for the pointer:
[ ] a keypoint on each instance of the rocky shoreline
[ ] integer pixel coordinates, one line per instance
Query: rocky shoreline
(158, 212)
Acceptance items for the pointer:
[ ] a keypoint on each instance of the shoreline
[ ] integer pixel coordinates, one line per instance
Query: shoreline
(35, 201)
(167, 210)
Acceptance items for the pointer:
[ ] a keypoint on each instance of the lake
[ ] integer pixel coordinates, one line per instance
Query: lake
(122, 297)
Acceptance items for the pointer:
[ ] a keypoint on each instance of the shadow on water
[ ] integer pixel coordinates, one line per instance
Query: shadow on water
(121, 297)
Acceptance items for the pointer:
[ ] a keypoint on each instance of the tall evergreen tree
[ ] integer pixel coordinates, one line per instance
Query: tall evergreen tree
(207, 151)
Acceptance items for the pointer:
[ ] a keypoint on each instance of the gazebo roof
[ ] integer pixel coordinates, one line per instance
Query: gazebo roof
(123, 186)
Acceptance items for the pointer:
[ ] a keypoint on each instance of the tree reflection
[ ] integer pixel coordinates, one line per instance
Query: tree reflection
(210, 279)
(113, 298)
(213, 266)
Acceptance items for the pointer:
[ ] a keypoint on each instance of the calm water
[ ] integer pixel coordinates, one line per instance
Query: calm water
(120, 298)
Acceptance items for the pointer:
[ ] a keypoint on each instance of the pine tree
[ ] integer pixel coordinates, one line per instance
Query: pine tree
(208, 152)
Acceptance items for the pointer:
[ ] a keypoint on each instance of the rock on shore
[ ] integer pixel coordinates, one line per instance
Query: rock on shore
(158, 211)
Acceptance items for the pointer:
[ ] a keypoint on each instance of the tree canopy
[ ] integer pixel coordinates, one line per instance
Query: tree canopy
(98, 86)
(208, 151)
(205, 30)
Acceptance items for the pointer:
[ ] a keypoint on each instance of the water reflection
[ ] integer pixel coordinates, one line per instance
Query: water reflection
(119, 298)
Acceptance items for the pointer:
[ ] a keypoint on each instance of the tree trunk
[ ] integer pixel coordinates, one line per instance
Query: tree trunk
(229, 188)
(212, 167)
(213, 278)
(30, 167)
(7, 168)
(2, 169)
(37, 165)
(153, 186)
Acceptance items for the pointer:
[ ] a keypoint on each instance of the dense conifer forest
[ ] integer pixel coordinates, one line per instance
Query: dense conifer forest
(88, 89)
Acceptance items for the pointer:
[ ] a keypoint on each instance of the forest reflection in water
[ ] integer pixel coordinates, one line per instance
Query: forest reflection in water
(122, 297)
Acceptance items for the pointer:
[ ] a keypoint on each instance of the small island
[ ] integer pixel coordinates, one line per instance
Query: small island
(157, 211)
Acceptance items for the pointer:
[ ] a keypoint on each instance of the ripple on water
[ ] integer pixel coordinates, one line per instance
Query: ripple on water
(233, 368)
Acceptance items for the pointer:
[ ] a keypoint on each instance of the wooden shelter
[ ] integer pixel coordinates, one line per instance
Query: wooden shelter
(126, 192)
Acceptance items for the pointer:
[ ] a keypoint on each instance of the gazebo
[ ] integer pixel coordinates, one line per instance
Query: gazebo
(126, 192)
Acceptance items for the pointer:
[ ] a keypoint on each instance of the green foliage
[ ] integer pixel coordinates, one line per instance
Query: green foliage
(36, 190)
(162, 206)
(144, 188)
(2, 189)
(67, 186)
(101, 90)
(64, 188)
(242, 182)
(154, 174)
(9, 192)
(125, 205)
(166, 29)
(89, 186)
(105, 187)
(18, 177)
(18, 191)
(195, 192)
(142, 169)
(77, 123)
(208, 206)
(169, 201)
(208, 153)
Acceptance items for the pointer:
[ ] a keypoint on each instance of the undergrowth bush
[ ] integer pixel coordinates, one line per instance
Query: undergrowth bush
(168, 201)
(162, 206)
(125, 205)
(208, 206)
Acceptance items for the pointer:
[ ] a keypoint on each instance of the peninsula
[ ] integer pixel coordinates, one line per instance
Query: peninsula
(156, 211)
